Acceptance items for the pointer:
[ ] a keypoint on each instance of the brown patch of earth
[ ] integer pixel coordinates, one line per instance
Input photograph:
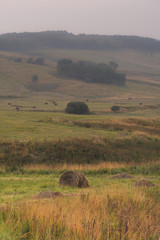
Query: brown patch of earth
(122, 175)
(144, 183)
(51, 194)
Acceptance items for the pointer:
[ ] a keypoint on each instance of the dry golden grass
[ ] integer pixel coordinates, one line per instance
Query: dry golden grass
(76, 167)
(114, 213)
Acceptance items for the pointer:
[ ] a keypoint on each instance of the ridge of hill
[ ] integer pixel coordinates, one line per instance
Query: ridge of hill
(64, 40)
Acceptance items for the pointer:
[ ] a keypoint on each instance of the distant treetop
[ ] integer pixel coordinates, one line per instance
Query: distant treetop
(62, 39)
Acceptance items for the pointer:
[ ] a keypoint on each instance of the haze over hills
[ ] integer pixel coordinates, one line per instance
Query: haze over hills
(62, 39)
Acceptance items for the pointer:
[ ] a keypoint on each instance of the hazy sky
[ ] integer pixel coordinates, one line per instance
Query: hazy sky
(125, 17)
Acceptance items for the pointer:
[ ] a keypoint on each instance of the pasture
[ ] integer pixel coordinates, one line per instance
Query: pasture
(39, 141)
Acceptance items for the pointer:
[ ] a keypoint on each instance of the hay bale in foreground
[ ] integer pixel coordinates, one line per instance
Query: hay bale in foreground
(74, 179)
(122, 175)
(144, 183)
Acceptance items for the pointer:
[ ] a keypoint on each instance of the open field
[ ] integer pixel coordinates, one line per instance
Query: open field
(108, 209)
(39, 141)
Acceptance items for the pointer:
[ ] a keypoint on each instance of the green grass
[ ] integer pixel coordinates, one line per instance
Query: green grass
(26, 124)
(15, 186)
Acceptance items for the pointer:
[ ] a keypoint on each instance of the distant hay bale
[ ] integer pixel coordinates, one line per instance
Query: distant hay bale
(122, 175)
(74, 179)
(48, 194)
(144, 183)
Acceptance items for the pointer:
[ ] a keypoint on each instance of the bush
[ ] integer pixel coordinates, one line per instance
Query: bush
(77, 108)
(35, 78)
(18, 59)
(39, 61)
(115, 108)
(30, 60)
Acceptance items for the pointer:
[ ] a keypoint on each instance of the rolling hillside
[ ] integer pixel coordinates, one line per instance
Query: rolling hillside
(142, 71)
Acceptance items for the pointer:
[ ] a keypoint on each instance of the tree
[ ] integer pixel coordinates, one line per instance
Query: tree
(113, 65)
(77, 108)
(30, 60)
(115, 108)
(35, 78)
(39, 61)
(64, 67)
(18, 59)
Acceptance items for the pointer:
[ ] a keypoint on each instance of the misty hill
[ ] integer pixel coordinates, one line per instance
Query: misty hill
(64, 40)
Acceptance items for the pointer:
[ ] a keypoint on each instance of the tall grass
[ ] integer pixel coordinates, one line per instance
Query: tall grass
(118, 213)
(80, 151)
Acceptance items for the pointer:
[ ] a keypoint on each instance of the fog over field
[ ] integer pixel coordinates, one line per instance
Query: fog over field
(109, 17)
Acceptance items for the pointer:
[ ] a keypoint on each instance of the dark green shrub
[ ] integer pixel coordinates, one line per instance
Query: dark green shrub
(35, 78)
(115, 108)
(77, 108)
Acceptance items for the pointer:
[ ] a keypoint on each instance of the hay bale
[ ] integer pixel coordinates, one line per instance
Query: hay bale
(48, 194)
(144, 183)
(83, 181)
(122, 175)
(74, 179)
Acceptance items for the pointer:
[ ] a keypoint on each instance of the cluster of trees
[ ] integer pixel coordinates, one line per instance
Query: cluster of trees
(62, 39)
(31, 60)
(38, 61)
(90, 72)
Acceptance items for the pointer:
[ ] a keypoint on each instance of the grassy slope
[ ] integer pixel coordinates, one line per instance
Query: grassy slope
(14, 77)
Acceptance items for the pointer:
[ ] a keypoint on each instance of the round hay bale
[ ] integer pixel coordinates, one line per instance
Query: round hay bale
(122, 175)
(69, 178)
(83, 181)
(144, 183)
(74, 179)
(48, 194)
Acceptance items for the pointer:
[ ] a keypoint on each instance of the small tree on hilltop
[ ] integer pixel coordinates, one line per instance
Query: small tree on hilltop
(77, 108)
